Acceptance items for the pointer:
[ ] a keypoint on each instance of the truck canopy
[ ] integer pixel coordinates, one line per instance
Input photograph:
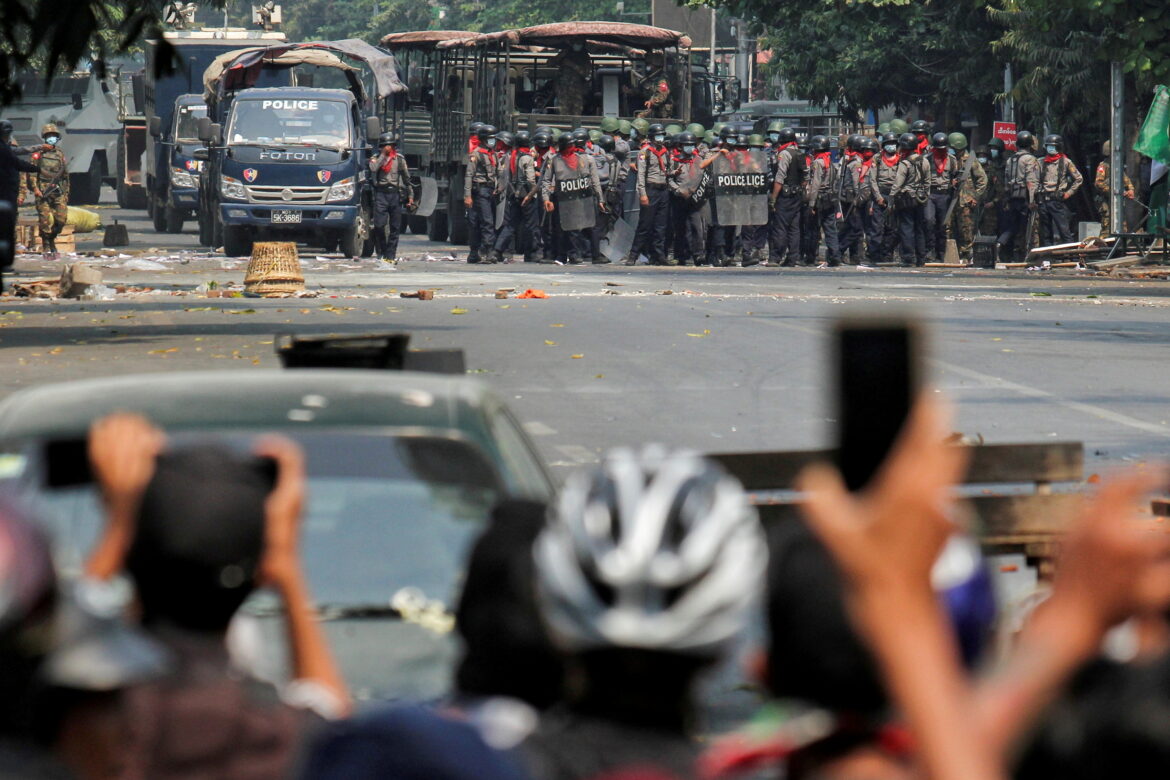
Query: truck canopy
(240, 69)
(559, 35)
(422, 39)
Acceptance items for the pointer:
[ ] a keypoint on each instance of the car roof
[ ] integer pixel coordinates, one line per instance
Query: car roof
(260, 398)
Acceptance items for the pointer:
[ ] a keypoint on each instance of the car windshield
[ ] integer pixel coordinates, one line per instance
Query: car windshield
(290, 121)
(387, 528)
(187, 122)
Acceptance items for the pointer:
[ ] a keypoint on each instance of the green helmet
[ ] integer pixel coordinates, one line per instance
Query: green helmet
(775, 126)
(756, 141)
(609, 124)
(715, 128)
(883, 128)
(641, 125)
(595, 135)
(899, 126)
(673, 129)
(697, 129)
(957, 141)
(709, 138)
(556, 133)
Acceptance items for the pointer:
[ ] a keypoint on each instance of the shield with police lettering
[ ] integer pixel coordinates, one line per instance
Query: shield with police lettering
(694, 183)
(576, 201)
(740, 179)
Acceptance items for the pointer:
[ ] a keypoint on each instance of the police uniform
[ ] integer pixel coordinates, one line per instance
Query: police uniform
(1022, 182)
(908, 196)
(692, 212)
(549, 232)
(480, 185)
(822, 201)
(871, 225)
(1059, 181)
(849, 189)
(784, 232)
(650, 236)
(1101, 193)
(942, 188)
(520, 190)
(609, 176)
(574, 244)
(883, 222)
(972, 186)
(391, 186)
(52, 182)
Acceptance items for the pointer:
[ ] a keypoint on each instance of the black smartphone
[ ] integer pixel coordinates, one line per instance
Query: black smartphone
(878, 374)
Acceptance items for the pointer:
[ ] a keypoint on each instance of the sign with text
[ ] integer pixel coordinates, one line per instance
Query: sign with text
(1006, 132)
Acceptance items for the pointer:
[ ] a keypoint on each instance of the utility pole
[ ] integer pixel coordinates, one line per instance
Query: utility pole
(1116, 146)
(1009, 103)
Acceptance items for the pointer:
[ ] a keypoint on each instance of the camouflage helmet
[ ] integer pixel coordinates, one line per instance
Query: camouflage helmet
(756, 141)
(50, 129)
(696, 129)
(717, 128)
(996, 143)
(899, 126)
(557, 133)
(674, 129)
(957, 141)
(624, 127)
(775, 126)
(641, 125)
(710, 138)
(609, 124)
(883, 128)
(595, 135)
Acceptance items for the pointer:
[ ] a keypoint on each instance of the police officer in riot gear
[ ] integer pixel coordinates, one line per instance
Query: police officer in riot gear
(1059, 181)
(944, 172)
(653, 195)
(822, 200)
(787, 193)
(1022, 184)
(921, 130)
(479, 189)
(392, 188)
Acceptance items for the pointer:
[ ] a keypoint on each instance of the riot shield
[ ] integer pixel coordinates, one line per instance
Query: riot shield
(575, 198)
(740, 186)
(693, 182)
(617, 244)
(428, 196)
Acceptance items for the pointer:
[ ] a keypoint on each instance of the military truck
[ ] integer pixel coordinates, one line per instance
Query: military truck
(504, 78)
(83, 107)
(290, 161)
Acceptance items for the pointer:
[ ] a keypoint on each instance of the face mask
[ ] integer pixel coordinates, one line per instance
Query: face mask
(994, 153)
(773, 137)
(982, 160)
(890, 148)
(952, 152)
(659, 139)
(688, 149)
(52, 140)
(1050, 149)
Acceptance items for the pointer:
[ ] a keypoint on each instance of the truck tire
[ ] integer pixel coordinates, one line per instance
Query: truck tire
(457, 227)
(128, 197)
(158, 215)
(418, 225)
(355, 238)
(237, 240)
(437, 226)
(173, 218)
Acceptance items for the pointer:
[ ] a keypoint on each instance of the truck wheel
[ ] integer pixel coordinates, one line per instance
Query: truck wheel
(330, 245)
(418, 225)
(237, 241)
(173, 218)
(354, 238)
(158, 215)
(437, 226)
(86, 188)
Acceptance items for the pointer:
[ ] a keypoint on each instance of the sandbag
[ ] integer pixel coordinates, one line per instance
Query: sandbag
(83, 220)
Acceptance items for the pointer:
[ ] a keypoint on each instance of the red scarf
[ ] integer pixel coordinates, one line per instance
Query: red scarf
(925, 142)
(1054, 158)
(891, 162)
(391, 156)
(570, 157)
(512, 160)
(866, 164)
(785, 146)
(472, 144)
(827, 157)
(659, 154)
(490, 154)
(940, 160)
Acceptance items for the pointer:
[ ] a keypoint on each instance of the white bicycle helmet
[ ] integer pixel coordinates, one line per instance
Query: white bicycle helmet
(653, 550)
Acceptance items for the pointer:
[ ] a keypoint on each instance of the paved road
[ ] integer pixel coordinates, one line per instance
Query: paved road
(731, 359)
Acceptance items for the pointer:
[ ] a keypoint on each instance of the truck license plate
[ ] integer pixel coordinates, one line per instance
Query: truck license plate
(286, 217)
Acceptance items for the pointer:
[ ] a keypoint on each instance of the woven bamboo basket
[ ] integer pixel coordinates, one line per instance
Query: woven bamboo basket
(274, 270)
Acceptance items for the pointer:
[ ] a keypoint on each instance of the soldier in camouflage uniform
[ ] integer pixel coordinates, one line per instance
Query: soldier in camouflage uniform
(973, 185)
(1101, 191)
(997, 198)
(574, 77)
(654, 88)
(51, 188)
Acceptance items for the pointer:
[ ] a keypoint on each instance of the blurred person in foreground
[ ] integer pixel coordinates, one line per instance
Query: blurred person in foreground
(508, 674)
(197, 530)
(885, 539)
(645, 576)
(28, 594)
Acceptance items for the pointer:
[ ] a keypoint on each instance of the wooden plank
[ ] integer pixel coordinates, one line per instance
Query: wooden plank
(990, 463)
(1000, 516)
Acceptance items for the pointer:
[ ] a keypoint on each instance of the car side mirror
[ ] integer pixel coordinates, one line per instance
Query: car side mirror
(373, 127)
(76, 99)
(204, 129)
(216, 134)
(200, 154)
(156, 126)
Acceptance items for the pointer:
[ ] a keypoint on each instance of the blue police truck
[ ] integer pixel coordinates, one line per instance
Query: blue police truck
(290, 163)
